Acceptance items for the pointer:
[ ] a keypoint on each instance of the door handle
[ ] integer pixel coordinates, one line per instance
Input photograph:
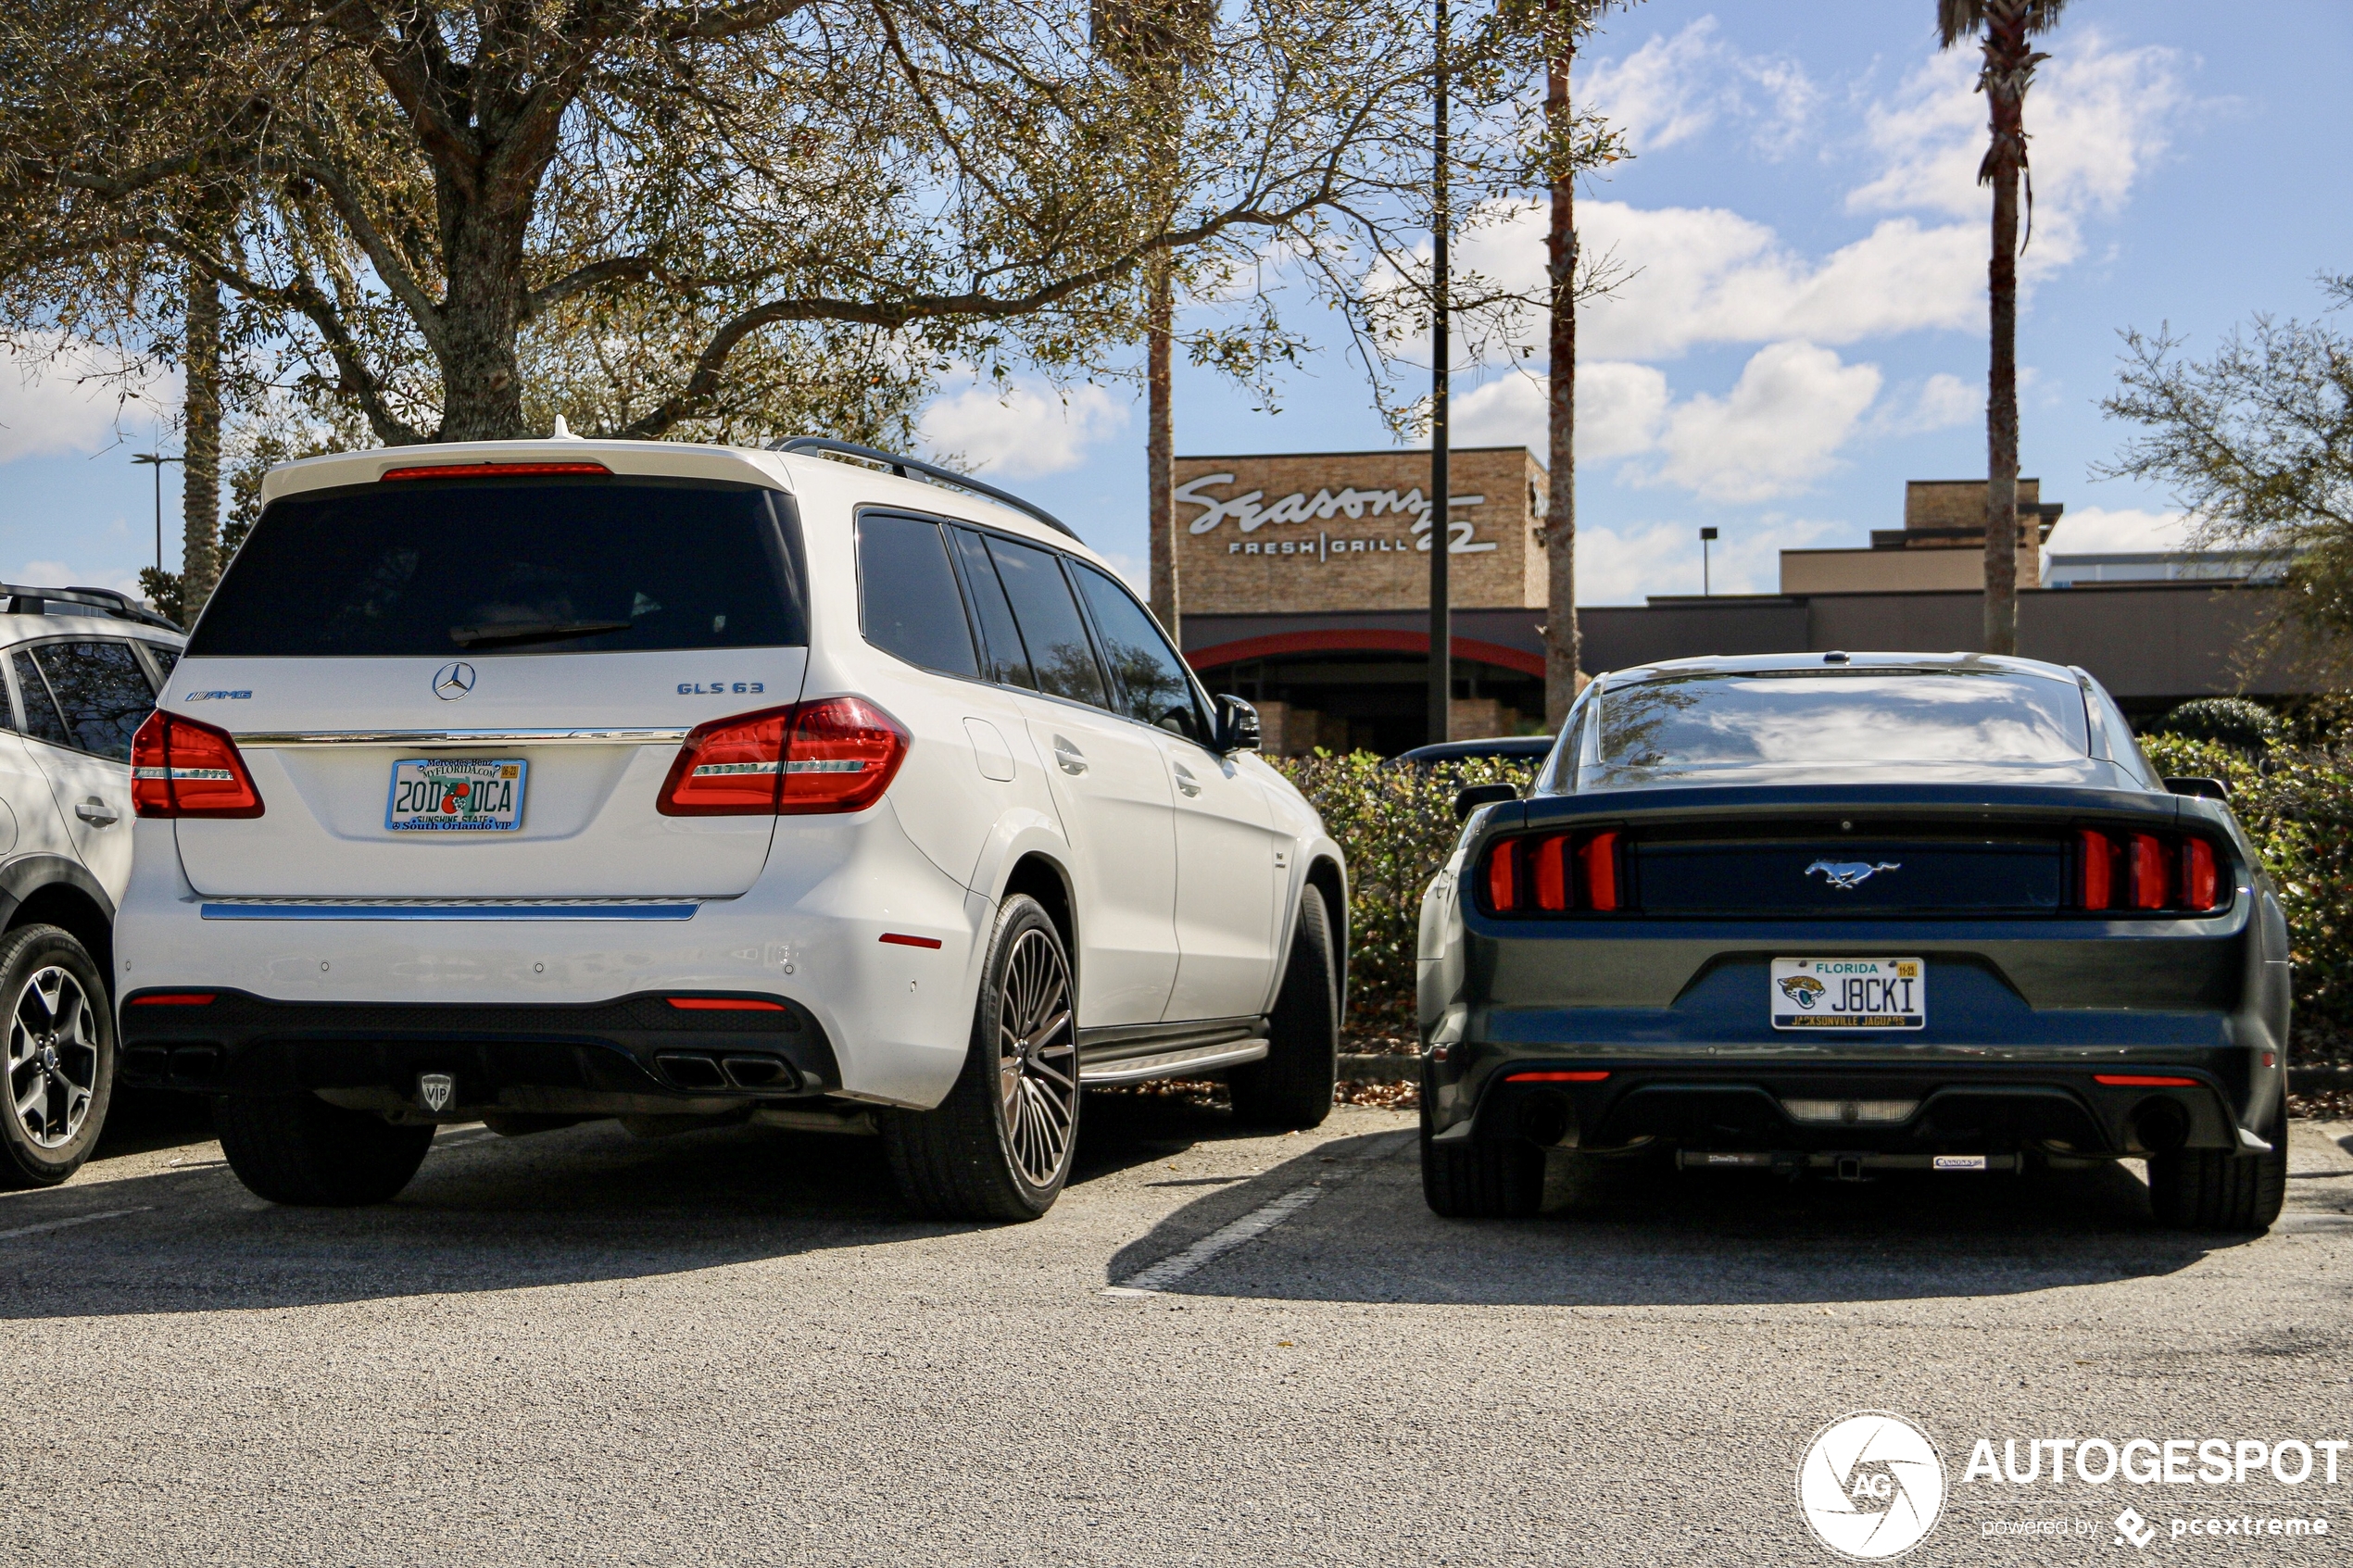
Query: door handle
(96, 813)
(1069, 757)
(1185, 782)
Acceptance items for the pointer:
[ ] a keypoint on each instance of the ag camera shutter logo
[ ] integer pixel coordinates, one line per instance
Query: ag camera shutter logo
(1871, 1486)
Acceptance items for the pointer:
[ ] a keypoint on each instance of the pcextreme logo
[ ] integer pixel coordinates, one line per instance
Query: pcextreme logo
(1871, 1486)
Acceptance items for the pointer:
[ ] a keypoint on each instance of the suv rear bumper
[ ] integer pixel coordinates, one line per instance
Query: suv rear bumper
(2101, 1109)
(635, 1055)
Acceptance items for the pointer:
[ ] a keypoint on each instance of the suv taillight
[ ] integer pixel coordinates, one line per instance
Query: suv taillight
(2147, 870)
(835, 755)
(180, 768)
(1555, 873)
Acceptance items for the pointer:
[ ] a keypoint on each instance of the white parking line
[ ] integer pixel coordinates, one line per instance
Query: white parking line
(1156, 1277)
(76, 1219)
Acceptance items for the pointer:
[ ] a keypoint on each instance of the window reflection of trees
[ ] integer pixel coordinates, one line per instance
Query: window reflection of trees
(103, 691)
(1154, 693)
(1634, 720)
(1068, 669)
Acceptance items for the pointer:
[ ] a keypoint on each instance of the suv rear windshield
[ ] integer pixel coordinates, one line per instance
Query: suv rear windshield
(509, 566)
(1697, 721)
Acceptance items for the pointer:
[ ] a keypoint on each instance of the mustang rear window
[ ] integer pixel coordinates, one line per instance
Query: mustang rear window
(1716, 721)
(491, 567)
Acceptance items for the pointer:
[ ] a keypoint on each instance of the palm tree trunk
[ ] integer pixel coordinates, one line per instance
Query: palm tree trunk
(200, 469)
(1159, 454)
(2007, 67)
(1563, 647)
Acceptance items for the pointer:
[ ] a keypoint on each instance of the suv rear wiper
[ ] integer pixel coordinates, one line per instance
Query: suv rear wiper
(531, 631)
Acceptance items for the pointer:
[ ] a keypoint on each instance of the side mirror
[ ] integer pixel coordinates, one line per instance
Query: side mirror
(1471, 798)
(2205, 789)
(1236, 724)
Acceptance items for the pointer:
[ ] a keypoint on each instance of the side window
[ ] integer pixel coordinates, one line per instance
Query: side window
(907, 598)
(1149, 678)
(1056, 637)
(102, 692)
(40, 720)
(167, 659)
(1008, 664)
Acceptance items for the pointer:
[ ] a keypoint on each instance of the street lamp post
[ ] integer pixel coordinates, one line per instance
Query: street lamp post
(1706, 537)
(156, 462)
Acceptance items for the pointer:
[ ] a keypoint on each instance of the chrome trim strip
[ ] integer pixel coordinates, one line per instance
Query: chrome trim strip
(1198, 1058)
(359, 912)
(279, 740)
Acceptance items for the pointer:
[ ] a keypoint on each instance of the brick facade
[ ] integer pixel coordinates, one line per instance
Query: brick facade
(1349, 531)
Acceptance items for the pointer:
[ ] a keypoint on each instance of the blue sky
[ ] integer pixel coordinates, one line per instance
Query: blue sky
(1803, 328)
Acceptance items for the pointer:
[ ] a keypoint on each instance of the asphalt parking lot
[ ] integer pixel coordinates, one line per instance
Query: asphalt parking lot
(729, 1347)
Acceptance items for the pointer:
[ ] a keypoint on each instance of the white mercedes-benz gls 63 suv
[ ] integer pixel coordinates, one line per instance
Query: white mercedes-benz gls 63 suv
(532, 782)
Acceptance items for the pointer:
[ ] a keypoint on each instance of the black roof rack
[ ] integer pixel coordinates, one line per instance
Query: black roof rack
(902, 466)
(16, 600)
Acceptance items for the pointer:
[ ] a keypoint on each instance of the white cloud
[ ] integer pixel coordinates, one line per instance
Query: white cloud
(2099, 530)
(2098, 116)
(1023, 428)
(1620, 409)
(1939, 403)
(1664, 558)
(1779, 430)
(63, 396)
(1673, 89)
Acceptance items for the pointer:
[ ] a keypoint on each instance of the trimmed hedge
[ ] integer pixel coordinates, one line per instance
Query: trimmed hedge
(1397, 826)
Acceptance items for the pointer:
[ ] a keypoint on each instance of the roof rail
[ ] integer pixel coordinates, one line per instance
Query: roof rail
(902, 465)
(17, 601)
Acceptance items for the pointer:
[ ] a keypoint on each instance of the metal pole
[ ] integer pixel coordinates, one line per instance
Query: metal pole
(1442, 672)
(156, 462)
(1706, 537)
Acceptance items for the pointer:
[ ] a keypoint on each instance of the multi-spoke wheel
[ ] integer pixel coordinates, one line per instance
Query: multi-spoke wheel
(60, 1054)
(1000, 1146)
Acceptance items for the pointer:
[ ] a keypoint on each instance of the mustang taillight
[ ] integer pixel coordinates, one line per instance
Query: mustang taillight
(1554, 873)
(180, 768)
(2147, 870)
(835, 755)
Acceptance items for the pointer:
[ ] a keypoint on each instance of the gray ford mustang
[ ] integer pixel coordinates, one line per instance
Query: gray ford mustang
(1845, 914)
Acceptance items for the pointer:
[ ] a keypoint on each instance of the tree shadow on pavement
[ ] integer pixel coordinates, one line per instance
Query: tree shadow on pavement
(1650, 1237)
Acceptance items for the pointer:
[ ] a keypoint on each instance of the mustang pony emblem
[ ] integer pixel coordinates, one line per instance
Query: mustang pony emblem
(1803, 989)
(1847, 875)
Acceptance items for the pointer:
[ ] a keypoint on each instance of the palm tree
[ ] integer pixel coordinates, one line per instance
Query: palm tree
(2002, 28)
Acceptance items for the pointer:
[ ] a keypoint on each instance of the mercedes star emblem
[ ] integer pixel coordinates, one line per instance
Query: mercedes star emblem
(453, 681)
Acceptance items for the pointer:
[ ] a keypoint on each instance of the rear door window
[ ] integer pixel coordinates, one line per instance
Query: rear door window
(101, 693)
(1147, 676)
(438, 568)
(1008, 661)
(1051, 628)
(907, 598)
(42, 720)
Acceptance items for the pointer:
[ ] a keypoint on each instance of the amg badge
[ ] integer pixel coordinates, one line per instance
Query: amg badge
(435, 1090)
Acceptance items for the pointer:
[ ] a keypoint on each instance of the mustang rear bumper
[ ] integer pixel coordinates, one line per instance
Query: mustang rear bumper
(1912, 1110)
(637, 1055)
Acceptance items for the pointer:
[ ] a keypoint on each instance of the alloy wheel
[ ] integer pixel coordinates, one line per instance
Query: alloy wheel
(1036, 1058)
(53, 1058)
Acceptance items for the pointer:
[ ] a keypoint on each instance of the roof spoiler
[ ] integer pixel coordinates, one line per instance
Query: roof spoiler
(902, 466)
(19, 600)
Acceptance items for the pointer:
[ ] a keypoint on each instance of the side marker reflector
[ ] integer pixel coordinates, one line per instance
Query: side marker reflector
(897, 939)
(724, 1004)
(174, 1000)
(1554, 1077)
(2142, 1081)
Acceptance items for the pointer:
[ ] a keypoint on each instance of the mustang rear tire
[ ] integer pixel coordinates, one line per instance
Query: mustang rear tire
(2215, 1189)
(1292, 1086)
(1000, 1146)
(298, 1150)
(1497, 1179)
(60, 1040)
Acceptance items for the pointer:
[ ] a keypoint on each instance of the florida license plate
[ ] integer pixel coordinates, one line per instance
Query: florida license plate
(1849, 993)
(456, 795)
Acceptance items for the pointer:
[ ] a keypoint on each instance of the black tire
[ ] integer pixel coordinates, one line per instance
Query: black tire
(60, 1056)
(1495, 1179)
(1000, 1146)
(298, 1150)
(2218, 1189)
(1292, 1086)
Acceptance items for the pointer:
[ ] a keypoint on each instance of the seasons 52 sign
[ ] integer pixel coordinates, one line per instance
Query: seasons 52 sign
(1248, 515)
